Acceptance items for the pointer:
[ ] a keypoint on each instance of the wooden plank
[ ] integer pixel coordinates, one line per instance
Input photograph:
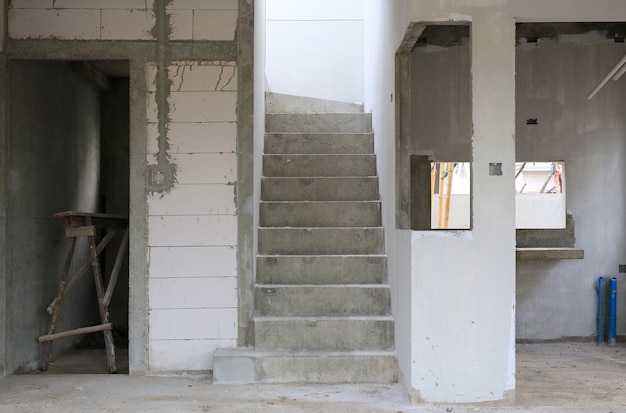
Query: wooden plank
(75, 332)
(47, 347)
(81, 271)
(88, 214)
(116, 269)
(82, 231)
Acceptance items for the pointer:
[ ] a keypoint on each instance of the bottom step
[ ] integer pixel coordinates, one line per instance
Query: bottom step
(241, 366)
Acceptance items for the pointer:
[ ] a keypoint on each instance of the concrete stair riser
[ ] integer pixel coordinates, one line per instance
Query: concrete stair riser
(312, 143)
(320, 241)
(322, 301)
(320, 214)
(318, 123)
(319, 165)
(322, 308)
(282, 103)
(320, 189)
(321, 269)
(243, 366)
(324, 334)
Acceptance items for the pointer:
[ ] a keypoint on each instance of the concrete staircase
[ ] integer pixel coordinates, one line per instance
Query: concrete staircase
(322, 302)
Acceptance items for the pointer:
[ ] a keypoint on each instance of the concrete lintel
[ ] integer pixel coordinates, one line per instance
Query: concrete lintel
(118, 50)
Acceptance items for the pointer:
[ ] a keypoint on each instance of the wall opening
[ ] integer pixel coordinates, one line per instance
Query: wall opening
(440, 128)
(68, 151)
(558, 65)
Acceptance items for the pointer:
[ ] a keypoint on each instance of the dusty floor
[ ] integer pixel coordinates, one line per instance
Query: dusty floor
(564, 377)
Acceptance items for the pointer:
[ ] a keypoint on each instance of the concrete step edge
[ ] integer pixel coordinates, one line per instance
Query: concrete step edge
(262, 318)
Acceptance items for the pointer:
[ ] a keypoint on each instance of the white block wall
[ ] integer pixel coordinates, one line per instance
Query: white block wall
(193, 228)
(120, 19)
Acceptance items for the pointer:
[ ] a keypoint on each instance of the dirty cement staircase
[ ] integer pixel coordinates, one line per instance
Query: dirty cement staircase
(322, 302)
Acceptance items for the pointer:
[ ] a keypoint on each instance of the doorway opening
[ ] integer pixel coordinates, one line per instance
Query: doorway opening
(68, 151)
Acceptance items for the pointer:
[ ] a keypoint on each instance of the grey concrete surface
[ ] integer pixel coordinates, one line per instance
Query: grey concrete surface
(319, 143)
(557, 377)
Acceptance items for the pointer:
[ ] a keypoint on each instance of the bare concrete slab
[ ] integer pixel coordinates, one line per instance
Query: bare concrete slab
(551, 377)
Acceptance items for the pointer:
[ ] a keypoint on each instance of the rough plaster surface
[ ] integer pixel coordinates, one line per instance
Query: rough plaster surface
(54, 115)
(557, 299)
(467, 354)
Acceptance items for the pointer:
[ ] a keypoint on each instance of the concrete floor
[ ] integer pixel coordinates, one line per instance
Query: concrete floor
(563, 377)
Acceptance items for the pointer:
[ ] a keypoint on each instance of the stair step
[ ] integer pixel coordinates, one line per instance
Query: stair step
(318, 143)
(332, 241)
(320, 189)
(319, 122)
(321, 269)
(324, 333)
(322, 300)
(283, 103)
(245, 366)
(296, 165)
(320, 214)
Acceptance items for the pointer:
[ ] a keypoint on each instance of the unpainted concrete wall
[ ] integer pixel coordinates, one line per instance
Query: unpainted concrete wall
(315, 48)
(557, 299)
(54, 163)
(463, 282)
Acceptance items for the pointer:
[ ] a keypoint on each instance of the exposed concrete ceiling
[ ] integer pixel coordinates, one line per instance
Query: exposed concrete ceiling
(112, 68)
(453, 35)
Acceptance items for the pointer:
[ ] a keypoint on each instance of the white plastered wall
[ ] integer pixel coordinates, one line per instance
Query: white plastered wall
(385, 23)
(315, 48)
(193, 227)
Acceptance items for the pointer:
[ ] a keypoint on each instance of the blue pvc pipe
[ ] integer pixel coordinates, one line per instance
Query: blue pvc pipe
(613, 311)
(600, 318)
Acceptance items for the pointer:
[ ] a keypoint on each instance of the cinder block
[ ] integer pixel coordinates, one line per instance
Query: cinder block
(100, 4)
(183, 355)
(151, 74)
(203, 4)
(184, 324)
(127, 24)
(205, 137)
(193, 262)
(152, 137)
(214, 24)
(182, 24)
(205, 168)
(179, 292)
(203, 106)
(194, 231)
(59, 24)
(204, 77)
(31, 4)
(210, 199)
(152, 110)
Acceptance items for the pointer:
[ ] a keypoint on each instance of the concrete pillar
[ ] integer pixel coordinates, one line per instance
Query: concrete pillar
(463, 282)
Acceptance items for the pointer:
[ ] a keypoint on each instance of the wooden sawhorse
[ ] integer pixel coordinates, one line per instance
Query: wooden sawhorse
(86, 224)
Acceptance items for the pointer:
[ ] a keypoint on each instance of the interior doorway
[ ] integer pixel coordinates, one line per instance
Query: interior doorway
(68, 134)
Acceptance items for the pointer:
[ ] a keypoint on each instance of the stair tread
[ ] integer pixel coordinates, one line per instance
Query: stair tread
(302, 353)
(351, 285)
(325, 318)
